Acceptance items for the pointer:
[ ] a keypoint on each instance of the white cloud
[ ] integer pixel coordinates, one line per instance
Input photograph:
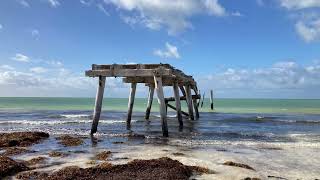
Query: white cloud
(300, 4)
(35, 33)
(38, 70)
(166, 14)
(283, 79)
(24, 3)
(238, 14)
(309, 30)
(86, 2)
(170, 52)
(102, 9)
(21, 58)
(6, 67)
(1, 26)
(54, 3)
(54, 63)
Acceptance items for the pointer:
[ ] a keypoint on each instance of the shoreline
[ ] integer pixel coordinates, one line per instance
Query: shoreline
(57, 153)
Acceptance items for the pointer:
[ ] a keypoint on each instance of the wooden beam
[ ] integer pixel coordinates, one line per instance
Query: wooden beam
(182, 90)
(128, 72)
(195, 106)
(98, 104)
(163, 116)
(174, 108)
(150, 99)
(178, 103)
(130, 103)
(189, 102)
(166, 81)
(168, 99)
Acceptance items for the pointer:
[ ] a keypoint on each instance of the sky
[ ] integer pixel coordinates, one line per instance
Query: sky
(240, 49)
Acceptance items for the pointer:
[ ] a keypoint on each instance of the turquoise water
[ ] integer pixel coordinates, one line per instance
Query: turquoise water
(300, 106)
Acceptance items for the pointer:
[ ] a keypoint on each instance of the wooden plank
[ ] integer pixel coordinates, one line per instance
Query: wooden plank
(166, 81)
(178, 103)
(149, 104)
(98, 104)
(126, 72)
(174, 108)
(189, 102)
(163, 116)
(181, 98)
(129, 66)
(130, 103)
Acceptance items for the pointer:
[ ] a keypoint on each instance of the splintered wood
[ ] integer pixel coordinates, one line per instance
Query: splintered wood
(154, 76)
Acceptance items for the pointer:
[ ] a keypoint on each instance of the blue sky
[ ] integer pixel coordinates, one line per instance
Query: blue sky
(242, 49)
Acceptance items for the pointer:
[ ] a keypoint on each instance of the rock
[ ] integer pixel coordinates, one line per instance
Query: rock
(67, 140)
(10, 167)
(230, 163)
(21, 139)
(163, 168)
(103, 155)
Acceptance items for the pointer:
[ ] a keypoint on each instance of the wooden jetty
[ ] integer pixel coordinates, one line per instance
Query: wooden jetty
(155, 77)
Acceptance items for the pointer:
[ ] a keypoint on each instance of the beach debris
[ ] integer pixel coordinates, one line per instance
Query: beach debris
(103, 155)
(10, 167)
(277, 177)
(68, 140)
(162, 168)
(37, 160)
(178, 154)
(249, 178)
(57, 154)
(230, 163)
(21, 139)
(11, 151)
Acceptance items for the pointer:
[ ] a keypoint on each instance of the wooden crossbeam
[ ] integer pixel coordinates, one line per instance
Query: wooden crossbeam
(182, 98)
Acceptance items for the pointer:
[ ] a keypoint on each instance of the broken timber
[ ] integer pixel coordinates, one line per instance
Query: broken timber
(155, 76)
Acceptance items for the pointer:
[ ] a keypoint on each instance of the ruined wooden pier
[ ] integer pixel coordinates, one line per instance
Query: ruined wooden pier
(154, 76)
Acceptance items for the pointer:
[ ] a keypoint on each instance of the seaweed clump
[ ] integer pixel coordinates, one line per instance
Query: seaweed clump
(162, 168)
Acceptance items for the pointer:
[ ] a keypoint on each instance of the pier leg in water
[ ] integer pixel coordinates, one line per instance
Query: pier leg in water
(150, 99)
(178, 103)
(98, 104)
(189, 102)
(196, 110)
(162, 104)
(211, 99)
(130, 103)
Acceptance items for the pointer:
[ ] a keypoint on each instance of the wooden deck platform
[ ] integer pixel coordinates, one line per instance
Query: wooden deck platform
(154, 76)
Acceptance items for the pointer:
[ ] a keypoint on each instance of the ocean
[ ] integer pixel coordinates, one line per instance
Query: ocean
(279, 137)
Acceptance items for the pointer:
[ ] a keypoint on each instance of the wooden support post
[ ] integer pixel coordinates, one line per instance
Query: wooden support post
(211, 99)
(150, 99)
(178, 103)
(162, 104)
(189, 102)
(130, 103)
(196, 110)
(98, 104)
(182, 90)
(202, 99)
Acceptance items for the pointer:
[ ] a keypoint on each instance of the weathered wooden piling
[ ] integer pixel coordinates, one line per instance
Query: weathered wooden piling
(150, 99)
(211, 99)
(130, 103)
(155, 76)
(98, 104)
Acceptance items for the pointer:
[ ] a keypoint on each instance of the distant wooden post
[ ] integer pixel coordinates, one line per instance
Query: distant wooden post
(162, 104)
(150, 99)
(196, 110)
(202, 99)
(178, 103)
(211, 99)
(98, 104)
(189, 101)
(198, 102)
(130, 103)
